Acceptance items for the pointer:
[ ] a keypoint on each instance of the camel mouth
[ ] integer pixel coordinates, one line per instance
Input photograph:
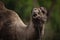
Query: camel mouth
(36, 17)
(38, 20)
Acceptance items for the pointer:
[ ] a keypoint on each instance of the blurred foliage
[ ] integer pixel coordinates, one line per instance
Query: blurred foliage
(24, 7)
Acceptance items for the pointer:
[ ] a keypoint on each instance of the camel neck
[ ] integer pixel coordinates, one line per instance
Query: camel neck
(38, 28)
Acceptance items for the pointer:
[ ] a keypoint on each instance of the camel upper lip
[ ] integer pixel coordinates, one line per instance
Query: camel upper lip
(37, 18)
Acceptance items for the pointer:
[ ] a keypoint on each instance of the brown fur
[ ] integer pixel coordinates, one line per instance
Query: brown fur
(13, 28)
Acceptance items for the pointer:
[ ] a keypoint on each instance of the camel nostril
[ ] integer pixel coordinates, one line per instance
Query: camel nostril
(34, 15)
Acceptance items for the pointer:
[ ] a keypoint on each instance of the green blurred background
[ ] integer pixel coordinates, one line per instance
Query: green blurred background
(24, 7)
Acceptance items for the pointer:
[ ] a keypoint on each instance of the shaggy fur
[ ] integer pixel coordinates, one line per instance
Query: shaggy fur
(13, 28)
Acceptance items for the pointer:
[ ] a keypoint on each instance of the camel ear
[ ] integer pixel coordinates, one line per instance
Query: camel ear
(43, 9)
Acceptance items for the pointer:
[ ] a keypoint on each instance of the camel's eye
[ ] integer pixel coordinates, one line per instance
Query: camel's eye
(35, 9)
